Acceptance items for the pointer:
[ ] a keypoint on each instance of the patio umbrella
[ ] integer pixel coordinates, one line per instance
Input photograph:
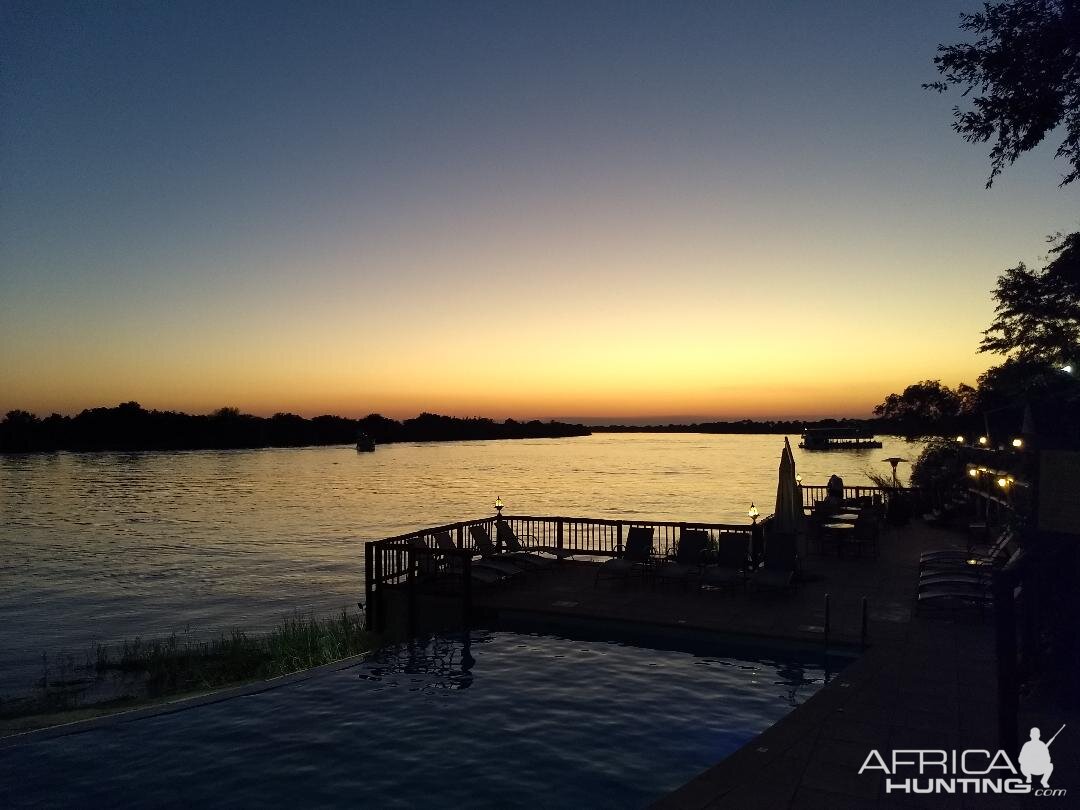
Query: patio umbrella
(788, 502)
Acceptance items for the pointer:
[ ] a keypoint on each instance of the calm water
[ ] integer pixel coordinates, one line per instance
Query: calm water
(495, 719)
(99, 547)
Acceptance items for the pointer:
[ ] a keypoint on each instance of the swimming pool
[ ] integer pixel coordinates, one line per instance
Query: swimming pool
(487, 719)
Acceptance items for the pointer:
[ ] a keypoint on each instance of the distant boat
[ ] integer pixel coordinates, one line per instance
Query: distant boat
(838, 439)
(364, 443)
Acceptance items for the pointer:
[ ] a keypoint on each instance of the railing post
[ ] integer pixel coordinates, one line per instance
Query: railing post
(377, 603)
(826, 619)
(618, 537)
(466, 591)
(865, 623)
(410, 565)
(369, 585)
(559, 533)
(461, 537)
(1008, 682)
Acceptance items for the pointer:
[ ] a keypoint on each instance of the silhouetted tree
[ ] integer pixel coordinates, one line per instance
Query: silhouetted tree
(925, 407)
(1024, 69)
(1037, 317)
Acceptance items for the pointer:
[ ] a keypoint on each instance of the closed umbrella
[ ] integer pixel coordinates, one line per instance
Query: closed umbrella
(788, 503)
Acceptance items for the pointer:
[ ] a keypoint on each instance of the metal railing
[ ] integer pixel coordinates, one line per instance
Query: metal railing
(400, 561)
(814, 493)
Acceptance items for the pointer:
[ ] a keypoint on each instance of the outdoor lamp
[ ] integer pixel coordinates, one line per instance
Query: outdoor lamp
(1018, 443)
(753, 513)
(960, 439)
(1067, 368)
(983, 440)
(1002, 482)
(973, 472)
(798, 479)
(498, 506)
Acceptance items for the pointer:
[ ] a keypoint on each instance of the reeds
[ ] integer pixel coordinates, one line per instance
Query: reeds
(138, 670)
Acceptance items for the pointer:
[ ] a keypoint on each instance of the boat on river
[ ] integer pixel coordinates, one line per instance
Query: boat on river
(364, 443)
(838, 439)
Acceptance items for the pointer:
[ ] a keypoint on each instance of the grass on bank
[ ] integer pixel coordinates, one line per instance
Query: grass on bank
(147, 671)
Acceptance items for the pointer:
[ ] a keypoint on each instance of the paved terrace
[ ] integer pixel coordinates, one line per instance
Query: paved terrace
(926, 680)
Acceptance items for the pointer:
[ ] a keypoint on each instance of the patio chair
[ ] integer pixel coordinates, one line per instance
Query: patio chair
(731, 563)
(689, 557)
(515, 551)
(636, 557)
(781, 562)
(509, 564)
(866, 534)
(478, 571)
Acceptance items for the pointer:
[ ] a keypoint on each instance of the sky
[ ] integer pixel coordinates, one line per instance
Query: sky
(510, 209)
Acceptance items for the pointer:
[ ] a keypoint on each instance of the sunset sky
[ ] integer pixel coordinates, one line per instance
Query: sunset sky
(727, 209)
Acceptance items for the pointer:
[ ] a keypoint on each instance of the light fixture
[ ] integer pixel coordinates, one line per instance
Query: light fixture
(960, 439)
(1003, 482)
(1067, 368)
(498, 506)
(973, 472)
(1018, 443)
(983, 440)
(798, 478)
(753, 513)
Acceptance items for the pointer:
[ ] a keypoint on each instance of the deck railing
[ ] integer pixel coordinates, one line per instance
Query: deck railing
(813, 493)
(399, 561)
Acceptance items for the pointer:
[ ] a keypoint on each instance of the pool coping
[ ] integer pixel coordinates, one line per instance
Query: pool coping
(181, 704)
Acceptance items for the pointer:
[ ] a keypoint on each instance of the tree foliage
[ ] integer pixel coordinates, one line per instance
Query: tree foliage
(926, 407)
(1037, 313)
(1024, 69)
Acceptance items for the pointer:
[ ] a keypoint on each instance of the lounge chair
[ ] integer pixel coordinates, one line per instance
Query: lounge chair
(689, 557)
(517, 553)
(510, 564)
(636, 557)
(781, 562)
(979, 594)
(482, 570)
(510, 539)
(955, 558)
(972, 574)
(732, 562)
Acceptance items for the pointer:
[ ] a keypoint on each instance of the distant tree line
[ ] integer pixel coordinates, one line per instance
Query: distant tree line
(788, 427)
(129, 426)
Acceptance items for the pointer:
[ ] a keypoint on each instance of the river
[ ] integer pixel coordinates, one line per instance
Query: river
(101, 547)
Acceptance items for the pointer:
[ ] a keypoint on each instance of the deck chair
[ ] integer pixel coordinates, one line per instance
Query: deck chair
(689, 557)
(516, 552)
(959, 559)
(477, 569)
(635, 559)
(507, 563)
(732, 561)
(781, 562)
(971, 574)
(977, 594)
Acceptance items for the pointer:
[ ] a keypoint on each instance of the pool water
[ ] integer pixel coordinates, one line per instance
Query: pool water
(487, 719)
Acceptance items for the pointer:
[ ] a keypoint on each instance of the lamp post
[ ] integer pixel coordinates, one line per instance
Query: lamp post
(753, 513)
(498, 508)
